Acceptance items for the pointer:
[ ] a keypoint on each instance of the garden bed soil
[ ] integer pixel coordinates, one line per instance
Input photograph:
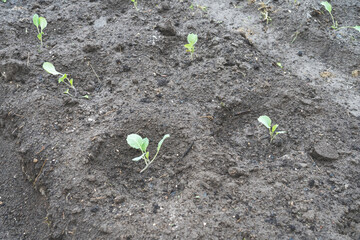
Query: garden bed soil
(66, 169)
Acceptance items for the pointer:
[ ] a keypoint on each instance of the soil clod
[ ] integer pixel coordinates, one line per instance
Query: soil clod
(324, 151)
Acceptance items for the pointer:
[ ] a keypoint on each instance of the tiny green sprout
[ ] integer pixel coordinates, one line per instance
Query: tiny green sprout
(4, 1)
(49, 67)
(279, 65)
(266, 17)
(192, 39)
(135, 4)
(202, 8)
(42, 23)
(137, 142)
(264, 9)
(266, 121)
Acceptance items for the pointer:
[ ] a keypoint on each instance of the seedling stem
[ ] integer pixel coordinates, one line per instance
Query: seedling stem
(135, 4)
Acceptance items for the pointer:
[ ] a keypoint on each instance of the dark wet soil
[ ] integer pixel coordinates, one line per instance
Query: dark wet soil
(66, 169)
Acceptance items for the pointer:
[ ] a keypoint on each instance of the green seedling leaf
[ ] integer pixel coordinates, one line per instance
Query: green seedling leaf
(138, 158)
(39, 36)
(43, 23)
(279, 64)
(67, 91)
(357, 28)
(265, 120)
(50, 68)
(36, 20)
(161, 141)
(86, 96)
(71, 82)
(192, 38)
(327, 6)
(135, 141)
(188, 46)
(279, 132)
(147, 155)
(62, 78)
(273, 129)
(144, 144)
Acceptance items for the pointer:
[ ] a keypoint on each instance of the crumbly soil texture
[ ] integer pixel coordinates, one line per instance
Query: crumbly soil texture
(67, 170)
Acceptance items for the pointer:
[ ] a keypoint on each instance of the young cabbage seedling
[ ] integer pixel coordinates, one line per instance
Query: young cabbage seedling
(192, 39)
(335, 25)
(135, 4)
(266, 121)
(137, 142)
(328, 8)
(42, 23)
(49, 67)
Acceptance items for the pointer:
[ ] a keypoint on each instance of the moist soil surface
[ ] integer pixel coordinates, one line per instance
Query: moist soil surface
(67, 170)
